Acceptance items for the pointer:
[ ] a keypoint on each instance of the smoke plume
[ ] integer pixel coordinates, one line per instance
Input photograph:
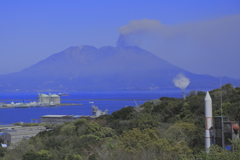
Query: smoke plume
(181, 81)
(131, 34)
(204, 43)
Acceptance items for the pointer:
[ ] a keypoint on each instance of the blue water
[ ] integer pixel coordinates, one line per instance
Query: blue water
(111, 100)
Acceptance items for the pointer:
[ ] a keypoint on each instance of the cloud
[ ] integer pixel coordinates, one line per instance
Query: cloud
(206, 47)
(181, 81)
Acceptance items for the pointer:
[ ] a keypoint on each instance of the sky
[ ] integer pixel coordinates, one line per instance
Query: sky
(202, 37)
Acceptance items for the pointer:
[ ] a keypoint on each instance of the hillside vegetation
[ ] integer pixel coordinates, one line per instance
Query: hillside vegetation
(167, 128)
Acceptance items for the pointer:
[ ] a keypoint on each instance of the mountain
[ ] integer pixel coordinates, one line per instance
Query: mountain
(106, 68)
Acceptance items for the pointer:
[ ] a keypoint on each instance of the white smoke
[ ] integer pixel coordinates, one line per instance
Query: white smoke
(130, 35)
(181, 81)
(199, 42)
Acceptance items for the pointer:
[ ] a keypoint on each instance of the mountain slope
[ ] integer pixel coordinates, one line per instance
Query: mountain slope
(106, 68)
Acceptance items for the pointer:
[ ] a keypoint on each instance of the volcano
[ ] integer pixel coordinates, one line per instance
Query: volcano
(107, 68)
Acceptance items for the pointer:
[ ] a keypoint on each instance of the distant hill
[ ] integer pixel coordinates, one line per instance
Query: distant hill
(106, 68)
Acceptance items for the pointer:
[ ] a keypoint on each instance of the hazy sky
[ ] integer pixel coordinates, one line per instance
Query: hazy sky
(201, 36)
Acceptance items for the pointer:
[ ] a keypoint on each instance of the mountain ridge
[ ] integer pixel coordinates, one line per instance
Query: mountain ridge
(107, 68)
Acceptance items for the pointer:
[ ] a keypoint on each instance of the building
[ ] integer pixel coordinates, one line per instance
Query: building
(13, 137)
(43, 98)
(54, 99)
(51, 99)
(60, 119)
(15, 134)
(224, 132)
(219, 130)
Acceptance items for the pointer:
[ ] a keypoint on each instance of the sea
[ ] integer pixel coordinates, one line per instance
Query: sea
(104, 100)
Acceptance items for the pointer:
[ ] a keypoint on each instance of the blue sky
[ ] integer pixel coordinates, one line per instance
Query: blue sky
(202, 35)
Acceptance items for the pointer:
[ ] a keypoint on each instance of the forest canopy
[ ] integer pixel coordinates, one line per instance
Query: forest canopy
(166, 128)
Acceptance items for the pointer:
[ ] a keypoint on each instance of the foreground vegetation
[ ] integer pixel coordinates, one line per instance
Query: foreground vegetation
(167, 128)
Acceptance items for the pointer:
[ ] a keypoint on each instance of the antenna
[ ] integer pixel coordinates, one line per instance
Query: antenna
(221, 112)
(136, 103)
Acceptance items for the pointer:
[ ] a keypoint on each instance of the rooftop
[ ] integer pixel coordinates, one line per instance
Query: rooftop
(23, 133)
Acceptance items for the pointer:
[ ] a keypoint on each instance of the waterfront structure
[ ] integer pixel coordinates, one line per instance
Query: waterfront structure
(63, 94)
(54, 99)
(43, 98)
(21, 105)
(51, 99)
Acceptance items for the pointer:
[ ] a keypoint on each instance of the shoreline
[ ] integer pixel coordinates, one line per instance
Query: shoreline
(95, 99)
(63, 104)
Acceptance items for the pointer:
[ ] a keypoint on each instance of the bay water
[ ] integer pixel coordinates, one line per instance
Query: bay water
(110, 100)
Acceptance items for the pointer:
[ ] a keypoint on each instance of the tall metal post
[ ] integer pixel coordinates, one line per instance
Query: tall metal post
(223, 146)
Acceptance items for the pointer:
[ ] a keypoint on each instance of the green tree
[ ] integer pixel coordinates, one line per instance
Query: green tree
(144, 121)
(187, 132)
(125, 113)
(217, 153)
(2, 151)
(1, 140)
(43, 155)
(135, 140)
(73, 157)
(29, 155)
(147, 144)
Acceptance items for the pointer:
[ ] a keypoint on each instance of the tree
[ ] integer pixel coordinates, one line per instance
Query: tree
(1, 140)
(125, 113)
(145, 121)
(188, 132)
(43, 155)
(73, 157)
(2, 151)
(217, 153)
(146, 144)
(135, 140)
(29, 155)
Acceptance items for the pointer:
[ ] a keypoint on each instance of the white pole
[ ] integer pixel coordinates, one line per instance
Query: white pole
(208, 121)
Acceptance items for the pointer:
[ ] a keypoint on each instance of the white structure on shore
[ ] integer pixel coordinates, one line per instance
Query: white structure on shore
(43, 100)
(51, 99)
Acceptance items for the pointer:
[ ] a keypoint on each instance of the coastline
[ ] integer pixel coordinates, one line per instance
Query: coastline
(62, 104)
